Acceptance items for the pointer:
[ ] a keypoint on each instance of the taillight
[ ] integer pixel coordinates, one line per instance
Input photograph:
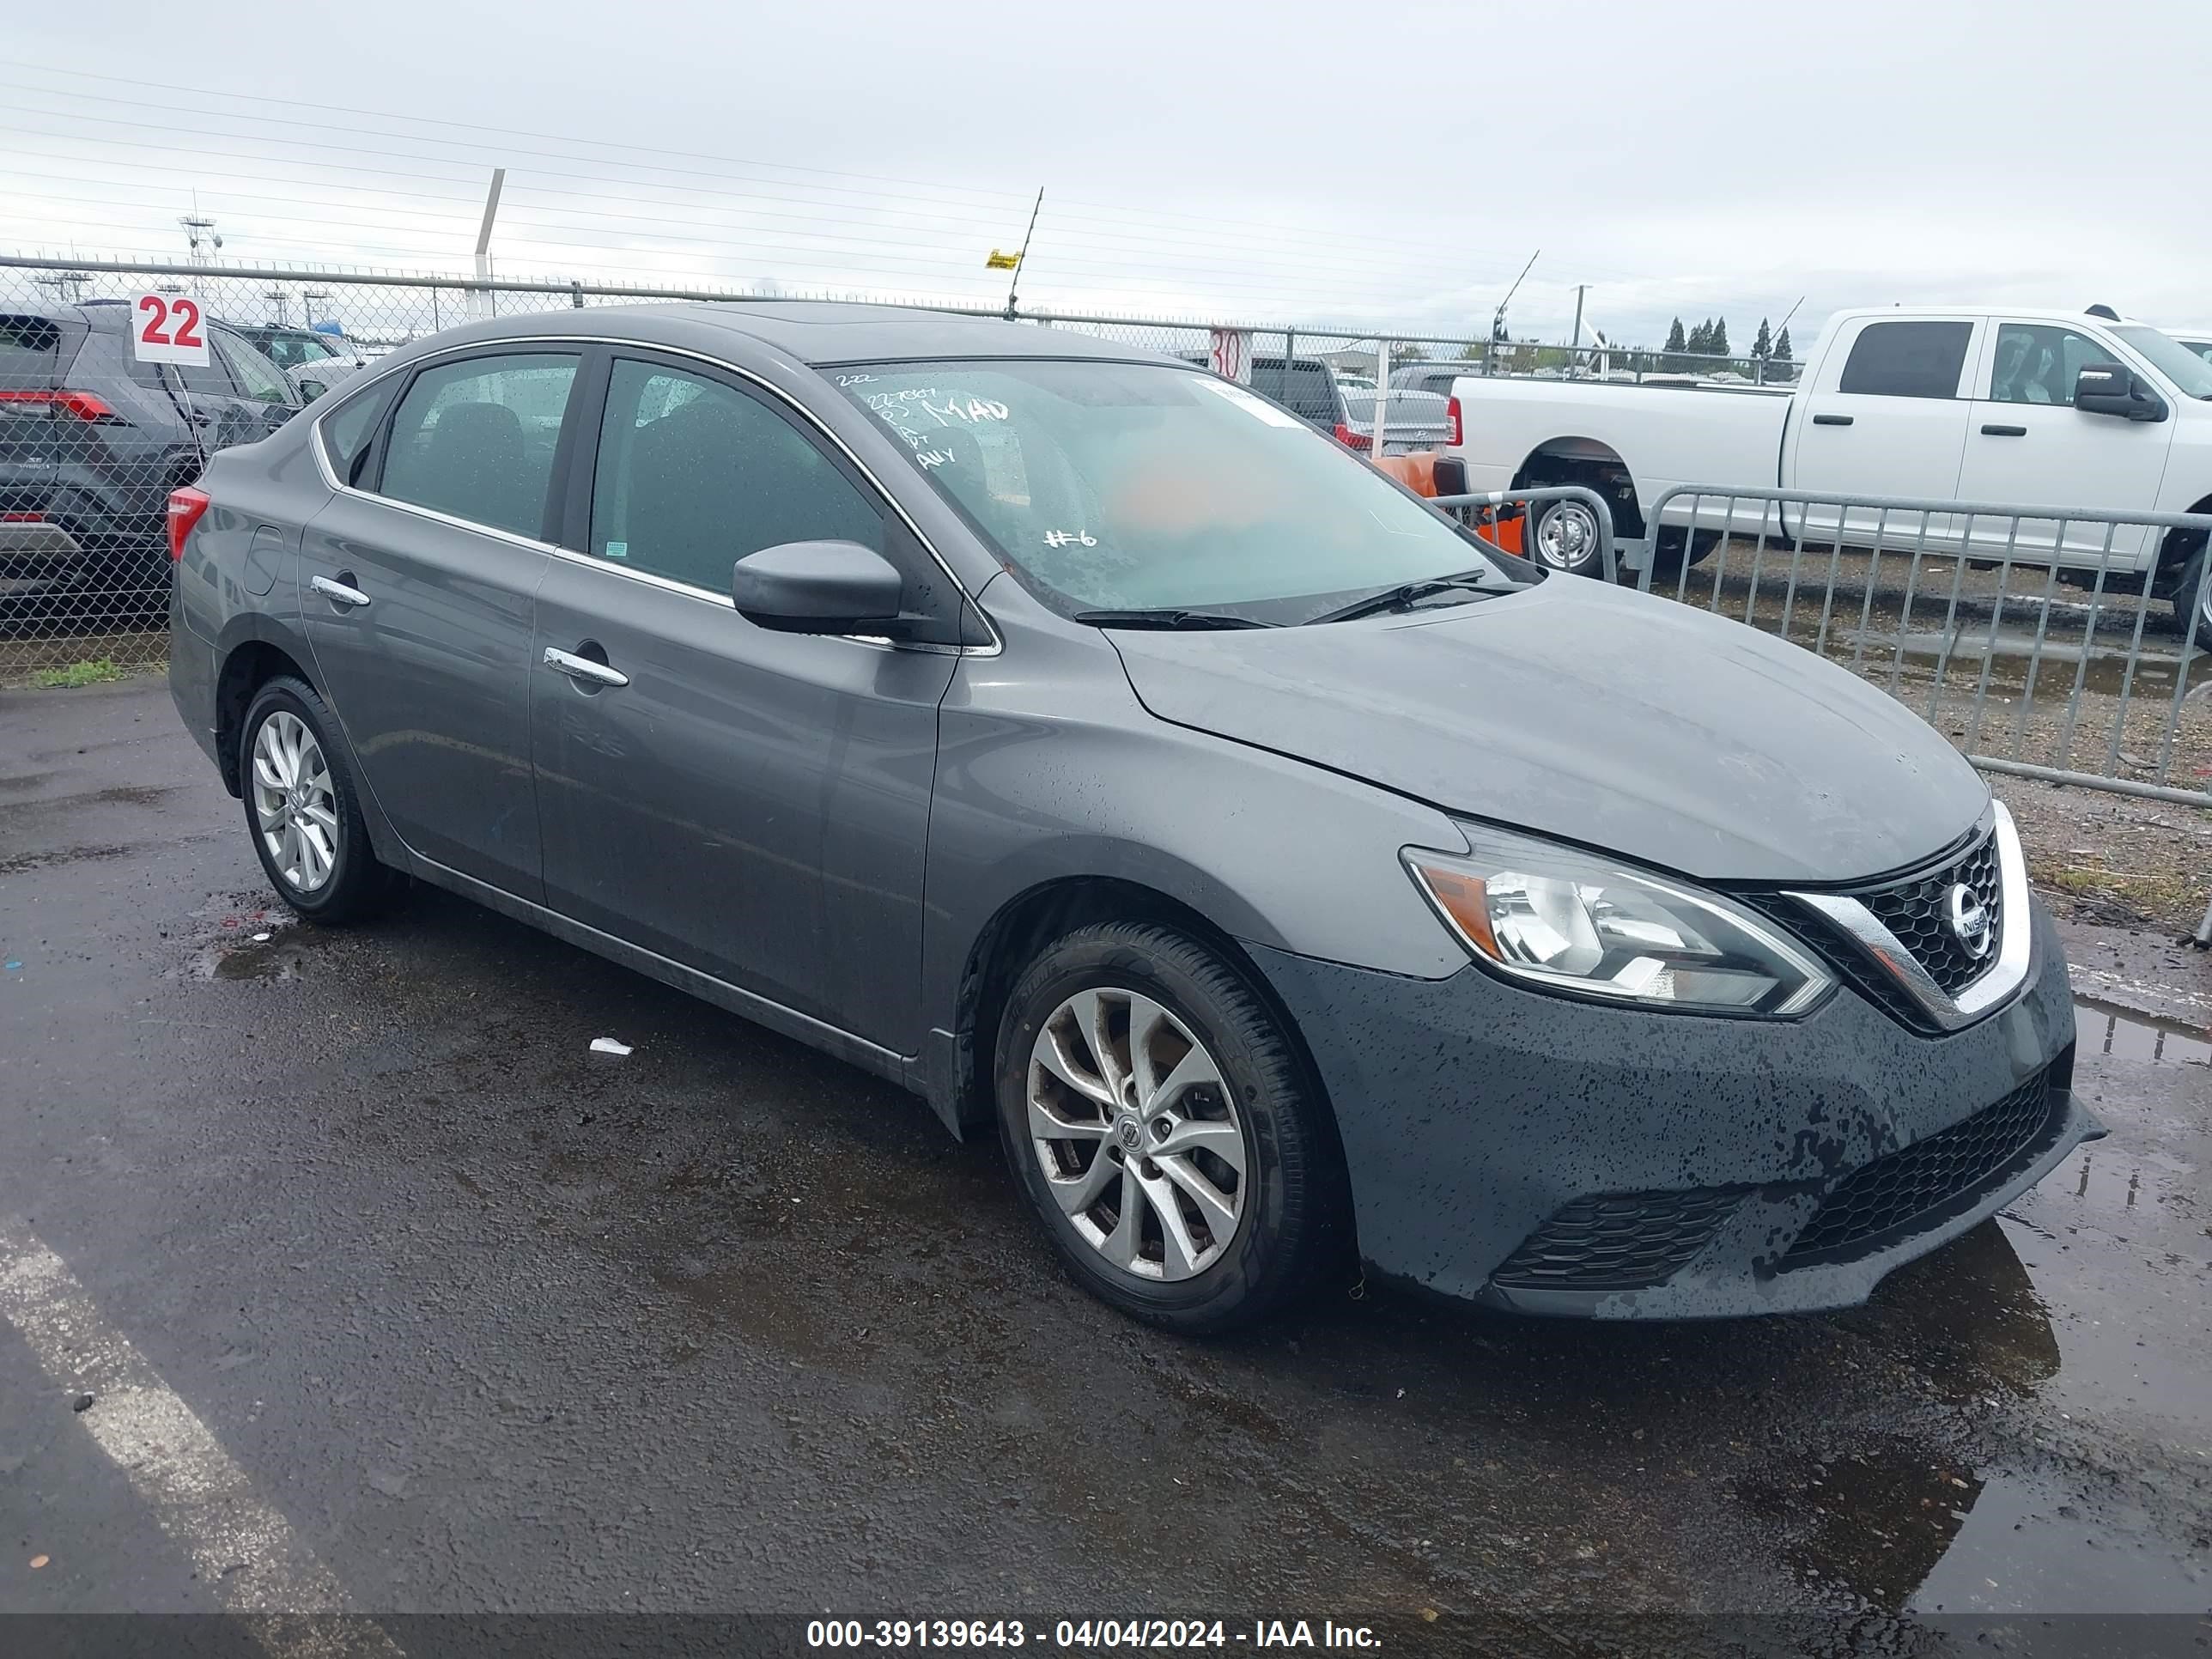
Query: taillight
(186, 507)
(1348, 438)
(1455, 430)
(83, 405)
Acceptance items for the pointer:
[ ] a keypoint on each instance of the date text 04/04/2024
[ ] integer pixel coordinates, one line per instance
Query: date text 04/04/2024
(1086, 1634)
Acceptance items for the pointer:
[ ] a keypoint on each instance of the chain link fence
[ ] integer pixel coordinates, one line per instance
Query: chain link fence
(93, 438)
(2071, 646)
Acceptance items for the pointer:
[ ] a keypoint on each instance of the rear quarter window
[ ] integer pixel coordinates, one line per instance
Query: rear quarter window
(347, 432)
(33, 349)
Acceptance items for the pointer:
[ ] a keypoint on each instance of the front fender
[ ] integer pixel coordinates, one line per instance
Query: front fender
(1065, 776)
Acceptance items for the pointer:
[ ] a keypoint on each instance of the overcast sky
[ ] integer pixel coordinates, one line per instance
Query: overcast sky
(1377, 164)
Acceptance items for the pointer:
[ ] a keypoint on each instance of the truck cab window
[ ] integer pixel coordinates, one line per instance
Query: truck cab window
(2036, 363)
(1906, 360)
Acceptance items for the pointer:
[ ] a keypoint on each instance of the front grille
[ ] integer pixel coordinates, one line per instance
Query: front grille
(1618, 1241)
(1918, 912)
(1913, 1189)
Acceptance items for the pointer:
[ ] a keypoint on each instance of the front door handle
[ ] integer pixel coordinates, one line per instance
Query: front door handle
(583, 670)
(1832, 420)
(2004, 432)
(339, 594)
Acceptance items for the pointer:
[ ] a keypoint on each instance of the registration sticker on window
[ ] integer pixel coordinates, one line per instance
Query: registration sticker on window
(618, 550)
(1246, 401)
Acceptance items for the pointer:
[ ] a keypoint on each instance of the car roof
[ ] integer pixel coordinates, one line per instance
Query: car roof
(822, 332)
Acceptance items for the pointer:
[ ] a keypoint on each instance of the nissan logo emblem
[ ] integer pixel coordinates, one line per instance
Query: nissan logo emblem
(1970, 920)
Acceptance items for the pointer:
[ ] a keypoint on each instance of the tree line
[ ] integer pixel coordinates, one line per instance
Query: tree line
(1710, 339)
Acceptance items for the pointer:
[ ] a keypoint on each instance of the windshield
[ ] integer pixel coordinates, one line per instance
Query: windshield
(2188, 371)
(1131, 486)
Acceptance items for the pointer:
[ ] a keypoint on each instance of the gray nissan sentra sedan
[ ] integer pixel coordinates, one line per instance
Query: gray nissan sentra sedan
(1082, 742)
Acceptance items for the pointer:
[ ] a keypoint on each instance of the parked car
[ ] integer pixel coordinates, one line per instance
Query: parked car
(712, 639)
(1417, 419)
(2030, 407)
(92, 441)
(1432, 375)
(314, 359)
(2198, 340)
(1312, 390)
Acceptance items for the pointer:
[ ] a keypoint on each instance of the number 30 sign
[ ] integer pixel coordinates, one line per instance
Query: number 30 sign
(168, 328)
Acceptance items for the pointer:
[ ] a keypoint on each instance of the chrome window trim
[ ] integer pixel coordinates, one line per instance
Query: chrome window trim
(331, 478)
(1998, 984)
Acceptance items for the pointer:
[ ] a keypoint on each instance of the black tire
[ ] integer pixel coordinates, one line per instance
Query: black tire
(1562, 536)
(356, 886)
(1667, 560)
(2192, 601)
(1292, 1193)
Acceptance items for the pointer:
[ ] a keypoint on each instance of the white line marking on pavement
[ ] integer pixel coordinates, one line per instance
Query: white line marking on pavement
(243, 1549)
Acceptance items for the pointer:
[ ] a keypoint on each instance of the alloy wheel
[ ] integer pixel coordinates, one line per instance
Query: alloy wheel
(1137, 1134)
(295, 802)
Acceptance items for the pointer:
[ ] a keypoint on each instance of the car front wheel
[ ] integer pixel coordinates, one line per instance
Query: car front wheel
(1163, 1128)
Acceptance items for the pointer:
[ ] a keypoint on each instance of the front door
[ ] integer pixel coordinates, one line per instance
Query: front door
(1885, 416)
(751, 804)
(2027, 445)
(415, 590)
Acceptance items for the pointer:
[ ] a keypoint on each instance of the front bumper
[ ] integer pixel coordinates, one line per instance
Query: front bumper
(1549, 1155)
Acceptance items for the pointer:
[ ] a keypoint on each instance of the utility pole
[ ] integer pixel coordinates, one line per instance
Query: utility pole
(199, 229)
(280, 303)
(308, 298)
(1575, 341)
(480, 301)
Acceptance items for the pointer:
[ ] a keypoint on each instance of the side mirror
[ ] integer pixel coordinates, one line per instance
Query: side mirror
(818, 587)
(2109, 389)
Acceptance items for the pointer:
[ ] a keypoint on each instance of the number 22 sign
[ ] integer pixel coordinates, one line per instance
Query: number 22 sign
(168, 328)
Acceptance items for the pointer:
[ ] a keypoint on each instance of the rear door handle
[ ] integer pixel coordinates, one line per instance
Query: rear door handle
(583, 670)
(2004, 432)
(1832, 420)
(338, 592)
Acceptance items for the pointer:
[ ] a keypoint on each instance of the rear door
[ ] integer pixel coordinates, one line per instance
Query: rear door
(416, 588)
(754, 804)
(217, 402)
(2027, 444)
(1887, 415)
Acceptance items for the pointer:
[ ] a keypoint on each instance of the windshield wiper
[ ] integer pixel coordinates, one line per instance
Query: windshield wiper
(1407, 593)
(1167, 618)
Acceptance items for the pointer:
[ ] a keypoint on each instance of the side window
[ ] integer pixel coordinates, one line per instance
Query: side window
(693, 475)
(348, 431)
(211, 380)
(2037, 362)
(476, 439)
(1906, 360)
(258, 376)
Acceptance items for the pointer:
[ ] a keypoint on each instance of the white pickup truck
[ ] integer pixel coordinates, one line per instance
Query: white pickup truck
(2030, 408)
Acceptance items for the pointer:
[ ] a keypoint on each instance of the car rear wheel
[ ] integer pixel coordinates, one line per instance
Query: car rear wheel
(1565, 537)
(302, 809)
(1160, 1124)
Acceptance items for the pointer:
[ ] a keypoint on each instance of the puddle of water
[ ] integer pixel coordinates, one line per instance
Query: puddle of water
(2026, 1547)
(2106, 1029)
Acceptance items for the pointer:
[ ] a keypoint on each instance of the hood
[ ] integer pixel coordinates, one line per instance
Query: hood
(1579, 711)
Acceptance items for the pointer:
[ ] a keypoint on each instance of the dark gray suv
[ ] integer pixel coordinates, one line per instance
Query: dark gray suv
(92, 441)
(1081, 741)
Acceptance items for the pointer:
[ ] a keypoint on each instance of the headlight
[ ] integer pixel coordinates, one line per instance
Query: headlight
(1580, 922)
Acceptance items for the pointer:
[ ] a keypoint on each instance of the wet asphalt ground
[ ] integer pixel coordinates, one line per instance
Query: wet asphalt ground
(494, 1325)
